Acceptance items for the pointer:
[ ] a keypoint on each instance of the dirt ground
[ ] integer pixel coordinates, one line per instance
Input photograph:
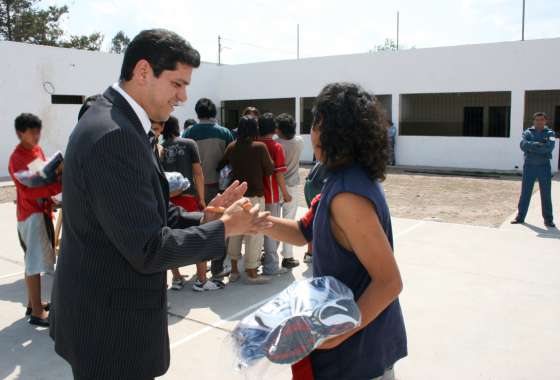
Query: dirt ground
(7, 194)
(466, 200)
(454, 199)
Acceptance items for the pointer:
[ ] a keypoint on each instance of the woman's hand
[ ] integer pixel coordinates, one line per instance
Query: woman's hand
(242, 218)
(331, 343)
(222, 201)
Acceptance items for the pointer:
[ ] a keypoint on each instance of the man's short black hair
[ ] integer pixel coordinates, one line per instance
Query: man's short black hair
(267, 124)
(188, 123)
(170, 128)
(162, 49)
(205, 109)
(88, 103)
(538, 114)
(285, 123)
(27, 121)
(248, 128)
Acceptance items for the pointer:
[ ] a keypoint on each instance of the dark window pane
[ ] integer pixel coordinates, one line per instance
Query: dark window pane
(499, 118)
(473, 121)
(67, 99)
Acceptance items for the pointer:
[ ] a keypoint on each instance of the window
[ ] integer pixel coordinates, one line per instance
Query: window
(305, 126)
(232, 119)
(473, 121)
(67, 99)
(557, 120)
(499, 121)
(469, 114)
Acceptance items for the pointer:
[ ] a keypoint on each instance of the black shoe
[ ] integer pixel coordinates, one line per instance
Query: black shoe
(46, 307)
(517, 221)
(550, 224)
(43, 322)
(290, 263)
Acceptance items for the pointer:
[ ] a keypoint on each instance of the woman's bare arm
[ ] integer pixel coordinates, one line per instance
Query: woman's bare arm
(285, 230)
(357, 227)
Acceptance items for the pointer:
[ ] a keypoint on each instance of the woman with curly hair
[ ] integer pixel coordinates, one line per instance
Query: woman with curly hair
(350, 227)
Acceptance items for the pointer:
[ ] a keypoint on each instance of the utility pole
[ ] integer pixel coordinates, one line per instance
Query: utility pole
(297, 41)
(219, 50)
(523, 23)
(398, 26)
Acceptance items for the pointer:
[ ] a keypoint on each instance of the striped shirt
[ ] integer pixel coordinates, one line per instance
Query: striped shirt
(271, 188)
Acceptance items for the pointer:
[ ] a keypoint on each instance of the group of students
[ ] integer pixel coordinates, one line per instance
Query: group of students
(262, 151)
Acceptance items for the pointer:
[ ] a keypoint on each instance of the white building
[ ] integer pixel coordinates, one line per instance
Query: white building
(456, 107)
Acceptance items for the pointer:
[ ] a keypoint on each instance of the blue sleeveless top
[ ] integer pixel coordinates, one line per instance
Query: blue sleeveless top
(368, 353)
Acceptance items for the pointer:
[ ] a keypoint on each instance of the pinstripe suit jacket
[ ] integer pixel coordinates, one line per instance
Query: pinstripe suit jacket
(109, 315)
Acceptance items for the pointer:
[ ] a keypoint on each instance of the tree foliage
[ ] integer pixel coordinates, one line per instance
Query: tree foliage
(119, 43)
(24, 21)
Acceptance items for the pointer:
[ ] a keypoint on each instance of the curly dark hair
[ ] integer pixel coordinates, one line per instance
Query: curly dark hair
(353, 129)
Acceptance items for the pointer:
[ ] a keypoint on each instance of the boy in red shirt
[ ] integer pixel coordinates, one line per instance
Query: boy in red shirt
(273, 185)
(34, 216)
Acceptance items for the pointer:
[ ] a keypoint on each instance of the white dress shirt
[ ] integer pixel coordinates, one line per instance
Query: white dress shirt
(142, 115)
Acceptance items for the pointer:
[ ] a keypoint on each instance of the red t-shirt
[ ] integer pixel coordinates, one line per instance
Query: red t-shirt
(271, 189)
(30, 200)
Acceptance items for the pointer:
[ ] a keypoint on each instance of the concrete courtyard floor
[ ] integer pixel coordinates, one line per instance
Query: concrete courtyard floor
(479, 303)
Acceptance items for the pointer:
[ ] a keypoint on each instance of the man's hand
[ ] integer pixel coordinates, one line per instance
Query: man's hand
(239, 220)
(224, 200)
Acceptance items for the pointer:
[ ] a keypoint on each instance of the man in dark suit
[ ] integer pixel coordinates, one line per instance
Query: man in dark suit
(109, 314)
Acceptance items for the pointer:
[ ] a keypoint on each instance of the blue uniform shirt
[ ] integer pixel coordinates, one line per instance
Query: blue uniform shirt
(537, 146)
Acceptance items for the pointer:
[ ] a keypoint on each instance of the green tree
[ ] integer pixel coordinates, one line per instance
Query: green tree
(24, 21)
(119, 42)
(21, 21)
(388, 45)
(92, 42)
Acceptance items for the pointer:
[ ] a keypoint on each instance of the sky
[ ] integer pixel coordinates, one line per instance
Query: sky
(260, 30)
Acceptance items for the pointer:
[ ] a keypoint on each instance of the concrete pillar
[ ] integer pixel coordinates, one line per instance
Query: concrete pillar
(517, 113)
(395, 112)
(516, 122)
(297, 115)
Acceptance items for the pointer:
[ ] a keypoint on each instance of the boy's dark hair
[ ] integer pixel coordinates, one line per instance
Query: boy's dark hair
(87, 103)
(162, 48)
(538, 114)
(252, 111)
(205, 109)
(170, 128)
(188, 123)
(248, 128)
(267, 124)
(285, 123)
(27, 121)
(353, 129)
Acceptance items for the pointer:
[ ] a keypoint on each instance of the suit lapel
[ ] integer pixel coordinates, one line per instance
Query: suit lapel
(114, 97)
(118, 101)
